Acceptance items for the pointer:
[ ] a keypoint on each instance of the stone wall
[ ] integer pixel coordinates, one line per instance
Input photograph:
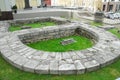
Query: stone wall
(57, 20)
(46, 33)
(55, 32)
(43, 34)
(105, 52)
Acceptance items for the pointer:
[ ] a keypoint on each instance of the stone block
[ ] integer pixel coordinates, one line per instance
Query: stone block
(79, 66)
(43, 67)
(54, 67)
(67, 69)
(91, 65)
(30, 65)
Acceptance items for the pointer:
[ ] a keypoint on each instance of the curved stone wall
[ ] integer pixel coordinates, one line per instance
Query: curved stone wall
(104, 52)
(34, 35)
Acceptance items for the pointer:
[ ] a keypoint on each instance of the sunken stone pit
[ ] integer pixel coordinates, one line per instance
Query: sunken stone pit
(104, 52)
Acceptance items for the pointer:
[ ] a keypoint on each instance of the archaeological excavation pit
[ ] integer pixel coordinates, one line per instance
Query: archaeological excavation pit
(104, 51)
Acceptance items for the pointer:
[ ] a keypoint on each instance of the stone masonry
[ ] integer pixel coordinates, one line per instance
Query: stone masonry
(104, 52)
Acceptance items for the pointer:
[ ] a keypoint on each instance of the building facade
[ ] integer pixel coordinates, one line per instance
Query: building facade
(5, 5)
(111, 5)
(91, 5)
(70, 3)
(21, 4)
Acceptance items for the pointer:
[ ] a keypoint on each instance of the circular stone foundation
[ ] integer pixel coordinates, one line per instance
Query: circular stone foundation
(104, 52)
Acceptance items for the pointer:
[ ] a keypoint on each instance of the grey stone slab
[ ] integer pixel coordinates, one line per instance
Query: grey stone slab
(45, 55)
(74, 56)
(24, 49)
(116, 44)
(67, 69)
(61, 62)
(38, 58)
(43, 67)
(99, 59)
(54, 67)
(6, 51)
(69, 61)
(29, 53)
(30, 65)
(91, 65)
(81, 55)
(13, 57)
(20, 62)
(108, 60)
(66, 55)
(79, 66)
(38, 53)
(58, 56)
(51, 56)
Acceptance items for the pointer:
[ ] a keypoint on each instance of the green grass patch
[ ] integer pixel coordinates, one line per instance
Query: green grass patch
(56, 46)
(33, 25)
(97, 24)
(115, 32)
(8, 72)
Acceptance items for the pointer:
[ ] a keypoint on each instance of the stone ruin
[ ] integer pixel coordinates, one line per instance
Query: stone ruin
(14, 51)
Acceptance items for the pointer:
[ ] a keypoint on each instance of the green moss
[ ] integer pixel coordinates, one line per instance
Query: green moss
(115, 32)
(56, 46)
(33, 25)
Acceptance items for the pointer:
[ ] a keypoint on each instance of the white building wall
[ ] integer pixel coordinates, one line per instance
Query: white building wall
(12, 2)
(54, 3)
(39, 2)
(5, 5)
(110, 0)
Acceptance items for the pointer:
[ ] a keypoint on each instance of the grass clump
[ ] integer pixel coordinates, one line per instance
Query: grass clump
(33, 25)
(97, 24)
(54, 45)
(115, 32)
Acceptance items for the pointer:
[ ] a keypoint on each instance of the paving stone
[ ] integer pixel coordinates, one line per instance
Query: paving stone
(58, 56)
(51, 56)
(81, 55)
(66, 55)
(20, 62)
(54, 67)
(116, 44)
(69, 61)
(30, 65)
(45, 55)
(67, 69)
(43, 67)
(79, 66)
(91, 65)
(11, 59)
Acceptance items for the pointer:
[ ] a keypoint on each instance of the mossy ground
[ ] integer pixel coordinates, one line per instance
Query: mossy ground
(32, 25)
(54, 45)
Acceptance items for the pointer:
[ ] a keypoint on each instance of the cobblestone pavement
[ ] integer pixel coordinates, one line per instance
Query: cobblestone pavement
(104, 52)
